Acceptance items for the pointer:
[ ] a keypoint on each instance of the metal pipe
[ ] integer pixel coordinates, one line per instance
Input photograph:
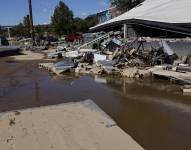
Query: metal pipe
(125, 31)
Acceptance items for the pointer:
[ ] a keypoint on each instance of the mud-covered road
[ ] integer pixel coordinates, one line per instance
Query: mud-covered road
(153, 112)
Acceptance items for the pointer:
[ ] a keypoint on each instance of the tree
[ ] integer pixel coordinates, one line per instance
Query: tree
(18, 30)
(125, 5)
(83, 25)
(62, 23)
(42, 29)
(26, 24)
(62, 19)
(77, 24)
(23, 28)
(91, 20)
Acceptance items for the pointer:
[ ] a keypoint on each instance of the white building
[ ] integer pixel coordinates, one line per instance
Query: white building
(152, 16)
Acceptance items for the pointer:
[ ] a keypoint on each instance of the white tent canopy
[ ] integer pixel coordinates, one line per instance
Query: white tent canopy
(166, 11)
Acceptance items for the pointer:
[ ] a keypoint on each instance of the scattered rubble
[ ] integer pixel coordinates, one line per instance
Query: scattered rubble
(85, 68)
(17, 113)
(63, 66)
(115, 56)
(12, 122)
(186, 90)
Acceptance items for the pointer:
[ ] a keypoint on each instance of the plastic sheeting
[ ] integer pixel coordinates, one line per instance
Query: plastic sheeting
(166, 11)
(167, 49)
(99, 57)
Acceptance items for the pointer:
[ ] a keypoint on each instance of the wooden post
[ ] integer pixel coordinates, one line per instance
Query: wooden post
(31, 21)
(9, 32)
(125, 31)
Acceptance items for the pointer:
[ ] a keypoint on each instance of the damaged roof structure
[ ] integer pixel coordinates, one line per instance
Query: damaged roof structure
(167, 16)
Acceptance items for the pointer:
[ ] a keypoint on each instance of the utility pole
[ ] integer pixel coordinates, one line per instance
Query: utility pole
(31, 21)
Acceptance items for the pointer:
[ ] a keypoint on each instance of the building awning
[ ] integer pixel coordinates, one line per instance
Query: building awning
(175, 12)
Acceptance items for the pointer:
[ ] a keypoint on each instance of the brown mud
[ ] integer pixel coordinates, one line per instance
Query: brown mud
(153, 112)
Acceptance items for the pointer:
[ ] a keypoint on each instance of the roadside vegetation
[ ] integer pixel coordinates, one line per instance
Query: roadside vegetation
(63, 21)
(125, 5)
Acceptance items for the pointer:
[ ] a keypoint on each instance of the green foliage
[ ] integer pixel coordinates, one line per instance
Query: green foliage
(41, 29)
(63, 23)
(83, 25)
(125, 5)
(22, 29)
(77, 25)
(62, 19)
(18, 30)
(122, 4)
(26, 24)
(91, 20)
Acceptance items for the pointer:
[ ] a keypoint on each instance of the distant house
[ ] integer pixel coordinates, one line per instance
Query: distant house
(114, 11)
(5, 31)
(108, 14)
(104, 16)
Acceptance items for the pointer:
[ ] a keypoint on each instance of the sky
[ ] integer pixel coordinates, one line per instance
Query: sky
(12, 11)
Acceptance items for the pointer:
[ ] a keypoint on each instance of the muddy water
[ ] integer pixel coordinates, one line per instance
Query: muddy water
(153, 112)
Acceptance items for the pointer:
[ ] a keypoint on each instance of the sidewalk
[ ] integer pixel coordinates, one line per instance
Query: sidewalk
(73, 126)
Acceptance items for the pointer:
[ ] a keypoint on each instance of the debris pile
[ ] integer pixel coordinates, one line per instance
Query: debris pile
(115, 56)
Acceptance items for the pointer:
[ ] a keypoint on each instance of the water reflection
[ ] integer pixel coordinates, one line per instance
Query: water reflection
(37, 91)
(154, 112)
